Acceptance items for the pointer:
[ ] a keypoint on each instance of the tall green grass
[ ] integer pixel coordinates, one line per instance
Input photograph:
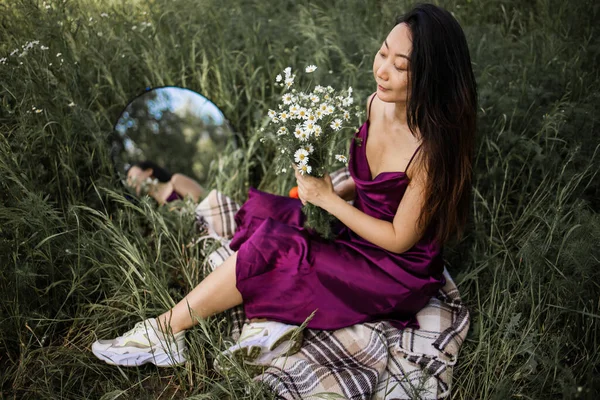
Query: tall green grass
(79, 262)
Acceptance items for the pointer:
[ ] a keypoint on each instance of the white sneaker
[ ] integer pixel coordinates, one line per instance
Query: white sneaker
(260, 343)
(142, 344)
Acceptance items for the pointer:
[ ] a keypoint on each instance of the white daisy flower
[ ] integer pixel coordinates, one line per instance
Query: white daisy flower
(314, 98)
(341, 158)
(298, 131)
(302, 113)
(346, 115)
(282, 131)
(284, 170)
(311, 117)
(301, 157)
(275, 120)
(287, 71)
(330, 110)
(319, 89)
(336, 124)
(311, 68)
(284, 116)
(289, 82)
(294, 109)
(39, 110)
(272, 113)
(304, 136)
(309, 147)
(317, 131)
(287, 98)
(304, 169)
(319, 114)
(278, 78)
(309, 126)
(323, 107)
(71, 104)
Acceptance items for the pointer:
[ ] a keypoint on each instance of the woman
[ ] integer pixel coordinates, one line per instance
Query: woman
(161, 185)
(410, 165)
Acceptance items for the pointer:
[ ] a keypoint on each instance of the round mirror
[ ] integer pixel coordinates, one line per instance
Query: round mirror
(179, 131)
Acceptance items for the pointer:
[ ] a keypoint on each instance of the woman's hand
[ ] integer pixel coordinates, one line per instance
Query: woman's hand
(317, 191)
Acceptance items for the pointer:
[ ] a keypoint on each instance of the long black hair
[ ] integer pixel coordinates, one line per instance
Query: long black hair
(442, 105)
(157, 172)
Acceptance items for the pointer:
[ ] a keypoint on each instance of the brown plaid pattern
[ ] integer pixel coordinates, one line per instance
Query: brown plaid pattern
(364, 361)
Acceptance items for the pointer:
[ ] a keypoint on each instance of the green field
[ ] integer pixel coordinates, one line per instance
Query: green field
(78, 261)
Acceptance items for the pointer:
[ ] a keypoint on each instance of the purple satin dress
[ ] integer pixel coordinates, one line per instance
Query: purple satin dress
(285, 272)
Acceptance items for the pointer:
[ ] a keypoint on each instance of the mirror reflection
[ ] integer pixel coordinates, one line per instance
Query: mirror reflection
(165, 141)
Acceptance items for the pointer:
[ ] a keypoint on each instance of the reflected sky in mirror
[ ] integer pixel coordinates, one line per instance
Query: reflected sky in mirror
(177, 128)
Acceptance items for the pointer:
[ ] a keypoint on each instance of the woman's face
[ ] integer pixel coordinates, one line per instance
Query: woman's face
(391, 63)
(135, 177)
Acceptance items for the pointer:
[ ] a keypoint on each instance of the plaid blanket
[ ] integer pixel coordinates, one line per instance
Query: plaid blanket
(365, 361)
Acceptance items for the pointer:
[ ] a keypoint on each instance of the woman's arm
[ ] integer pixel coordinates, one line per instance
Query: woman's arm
(186, 186)
(397, 236)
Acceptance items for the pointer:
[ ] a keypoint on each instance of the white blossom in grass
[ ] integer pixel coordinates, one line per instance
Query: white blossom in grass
(283, 116)
(275, 120)
(272, 113)
(341, 158)
(311, 117)
(289, 82)
(317, 131)
(282, 131)
(319, 114)
(278, 78)
(323, 107)
(44, 48)
(346, 115)
(330, 110)
(319, 89)
(301, 156)
(304, 169)
(302, 113)
(58, 55)
(39, 110)
(314, 98)
(284, 170)
(304, 136)
(104, 15)
(287, 71)
(309, 126)
(71, 104)
(310, 148)
(294, 108)
(311, 69)
(287, 98)
(3, 60)
(298, 131)
(336, 124)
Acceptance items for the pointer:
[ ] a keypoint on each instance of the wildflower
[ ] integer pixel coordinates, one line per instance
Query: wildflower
(317, 131)
(309, 147)
(301, 156)
(330, 110)
(319, 89)
(278, 78)
(284, 170)
(133, 28)
(311, 68)
(71, 104)
(304, 169)
(346, 115)
(323, 107)
(341, 158)
(284, 116)
(336, 124)
(319, 114)
(302, 113)
(311, 117)
(287, 71)
(294, 109)
(3, 60)
(287, 98)
(304, 136)
(104, 15)
(282, 131)
(314, 98)
(298, 131)
(309, 126)
(39, 110)
(289, 82)
(272, 114)
(42, 47)
(58, 55)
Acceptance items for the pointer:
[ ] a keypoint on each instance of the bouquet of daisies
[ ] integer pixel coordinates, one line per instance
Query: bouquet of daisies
(308, 125)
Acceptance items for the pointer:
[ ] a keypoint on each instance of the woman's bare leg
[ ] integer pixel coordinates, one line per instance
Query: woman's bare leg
(216, 293)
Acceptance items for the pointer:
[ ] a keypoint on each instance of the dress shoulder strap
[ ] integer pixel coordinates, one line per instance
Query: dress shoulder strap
(412, 158)
(371, 104)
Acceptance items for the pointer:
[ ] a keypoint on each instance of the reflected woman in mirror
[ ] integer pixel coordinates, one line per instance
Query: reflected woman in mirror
(161, 185)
